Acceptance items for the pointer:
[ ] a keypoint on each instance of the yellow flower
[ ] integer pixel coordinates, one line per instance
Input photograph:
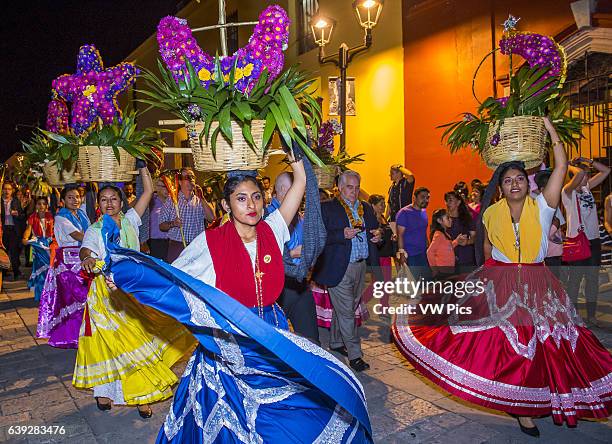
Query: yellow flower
(238, 74)
(248, 70)
(204, 75)
(89, 90)
(226, 77)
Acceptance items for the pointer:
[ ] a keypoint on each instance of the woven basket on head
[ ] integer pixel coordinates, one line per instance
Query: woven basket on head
(57, 178)
(521, 138)
(99, 164)
(325, 176)
(235, 156)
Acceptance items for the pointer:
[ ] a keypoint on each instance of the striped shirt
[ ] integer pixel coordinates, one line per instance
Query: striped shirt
(191, 214)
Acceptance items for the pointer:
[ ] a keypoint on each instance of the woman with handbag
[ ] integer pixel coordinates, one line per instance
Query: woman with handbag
(582, 248)
(517, 345)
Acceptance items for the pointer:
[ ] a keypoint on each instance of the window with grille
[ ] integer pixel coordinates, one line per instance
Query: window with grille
(306, 9)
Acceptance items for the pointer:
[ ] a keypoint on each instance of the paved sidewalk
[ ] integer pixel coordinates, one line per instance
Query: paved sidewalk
(35, 389)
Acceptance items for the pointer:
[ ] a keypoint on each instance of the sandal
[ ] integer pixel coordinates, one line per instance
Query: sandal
(105, 406)
(145, 414)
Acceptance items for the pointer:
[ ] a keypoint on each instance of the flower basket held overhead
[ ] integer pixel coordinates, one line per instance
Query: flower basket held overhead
(57, 177)
(232, 106)
(335, 163)
(87, 137)
(237, 155)
(512, 128)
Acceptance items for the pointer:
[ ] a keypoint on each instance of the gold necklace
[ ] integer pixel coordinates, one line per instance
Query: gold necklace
(259, 286)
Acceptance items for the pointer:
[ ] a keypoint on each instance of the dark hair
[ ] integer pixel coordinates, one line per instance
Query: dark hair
(475, 182)
(109, 187)
(264, 178)
(232, 183)
(489, 193)
(464, 213)
(541, 177)
(437, 226)
(68, 188)
(519, 166)
(461, 188)
(375, 199)
(420, 190)
(44, 199)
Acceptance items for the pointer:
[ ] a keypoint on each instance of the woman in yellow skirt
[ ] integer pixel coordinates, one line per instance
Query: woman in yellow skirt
(126, 350)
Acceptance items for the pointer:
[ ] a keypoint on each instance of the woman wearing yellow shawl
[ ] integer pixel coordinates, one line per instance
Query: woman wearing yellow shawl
(511, 339)
(125, 349)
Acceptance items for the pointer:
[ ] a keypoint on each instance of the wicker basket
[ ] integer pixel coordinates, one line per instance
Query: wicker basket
(235, 156)
(57, 178)
(326, 177)
(99, 164)
(521, 138)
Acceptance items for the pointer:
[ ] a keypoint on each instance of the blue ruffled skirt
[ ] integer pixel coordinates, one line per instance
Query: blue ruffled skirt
(233, 399)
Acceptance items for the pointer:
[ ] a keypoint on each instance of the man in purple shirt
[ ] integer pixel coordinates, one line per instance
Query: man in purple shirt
(412, 234)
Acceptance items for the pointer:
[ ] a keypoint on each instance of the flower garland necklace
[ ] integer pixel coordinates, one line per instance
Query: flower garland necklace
(354, 223)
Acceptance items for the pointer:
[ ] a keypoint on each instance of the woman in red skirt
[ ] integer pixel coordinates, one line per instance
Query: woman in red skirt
(512, 340)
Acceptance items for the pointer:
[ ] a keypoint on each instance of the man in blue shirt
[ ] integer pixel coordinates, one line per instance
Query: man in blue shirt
(296, 299)
(352, 234)
(412, 234)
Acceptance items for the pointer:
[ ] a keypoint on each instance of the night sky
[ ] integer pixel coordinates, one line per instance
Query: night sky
(40, 41)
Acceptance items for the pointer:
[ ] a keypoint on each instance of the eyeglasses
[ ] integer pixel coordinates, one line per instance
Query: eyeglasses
(517, 179)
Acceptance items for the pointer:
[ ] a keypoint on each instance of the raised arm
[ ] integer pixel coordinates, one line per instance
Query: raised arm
(293, 199)
(552, 191)
(602, 172)
(407, 174)
(142, 203)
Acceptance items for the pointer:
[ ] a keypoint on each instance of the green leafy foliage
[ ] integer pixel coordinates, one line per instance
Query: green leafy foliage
(285, 104)
(529, 96)
(141, 144)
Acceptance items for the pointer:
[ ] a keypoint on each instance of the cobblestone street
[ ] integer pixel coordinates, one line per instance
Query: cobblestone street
(36, 389)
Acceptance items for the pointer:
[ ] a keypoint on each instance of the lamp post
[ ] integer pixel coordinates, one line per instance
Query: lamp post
(368, 13)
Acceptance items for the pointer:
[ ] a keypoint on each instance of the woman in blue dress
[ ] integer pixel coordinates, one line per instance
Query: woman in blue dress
(250, 380)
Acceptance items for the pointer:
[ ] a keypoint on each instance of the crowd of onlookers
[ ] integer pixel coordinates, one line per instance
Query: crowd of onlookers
(448, 247)
(365, 233)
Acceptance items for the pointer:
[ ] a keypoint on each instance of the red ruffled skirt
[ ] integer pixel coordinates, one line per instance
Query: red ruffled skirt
(522, 349)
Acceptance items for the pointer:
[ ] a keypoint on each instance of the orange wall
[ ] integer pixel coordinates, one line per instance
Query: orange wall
(443, 43)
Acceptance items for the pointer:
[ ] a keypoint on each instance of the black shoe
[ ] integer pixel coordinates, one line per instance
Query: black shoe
(359, 365)
(103, 407)
(531, 431)
(341, 350)
(145, 414)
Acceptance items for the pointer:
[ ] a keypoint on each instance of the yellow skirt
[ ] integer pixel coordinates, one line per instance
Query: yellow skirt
(128, 342)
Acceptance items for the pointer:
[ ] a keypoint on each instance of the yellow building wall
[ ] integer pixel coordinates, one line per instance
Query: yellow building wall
(378, 128)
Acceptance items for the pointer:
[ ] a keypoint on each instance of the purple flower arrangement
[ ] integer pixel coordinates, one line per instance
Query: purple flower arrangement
(328, 130)
(92, 92)
(57, 117)
(534, 91)
(264, 50)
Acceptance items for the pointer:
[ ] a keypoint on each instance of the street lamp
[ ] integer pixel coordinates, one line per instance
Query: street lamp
(368, 12)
